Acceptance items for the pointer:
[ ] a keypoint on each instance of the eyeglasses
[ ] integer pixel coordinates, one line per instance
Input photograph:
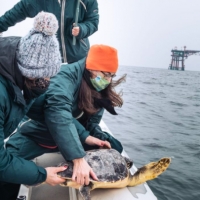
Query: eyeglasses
(108, 75)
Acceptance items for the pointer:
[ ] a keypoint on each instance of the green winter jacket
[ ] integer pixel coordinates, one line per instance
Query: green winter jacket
(13, 107)
(56, 106)
(64, 10)
(59, 106)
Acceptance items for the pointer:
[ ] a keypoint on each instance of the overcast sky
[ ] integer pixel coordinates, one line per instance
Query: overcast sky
(143, 31)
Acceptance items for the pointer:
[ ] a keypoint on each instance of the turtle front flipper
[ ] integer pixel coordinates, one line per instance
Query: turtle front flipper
(85, 191)
(149, 171)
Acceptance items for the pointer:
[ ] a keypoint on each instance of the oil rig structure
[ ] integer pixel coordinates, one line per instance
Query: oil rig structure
(180, 56)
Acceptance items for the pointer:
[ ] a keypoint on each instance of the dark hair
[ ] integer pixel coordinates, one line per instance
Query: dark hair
(29, 82)
(87, 95)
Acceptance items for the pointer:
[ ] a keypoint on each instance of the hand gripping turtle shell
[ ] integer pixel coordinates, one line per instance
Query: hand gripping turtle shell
(112, 170)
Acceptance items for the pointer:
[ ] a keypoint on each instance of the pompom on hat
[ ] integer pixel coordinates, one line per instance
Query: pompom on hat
(102, 58)
(46, 23)
(38, 53)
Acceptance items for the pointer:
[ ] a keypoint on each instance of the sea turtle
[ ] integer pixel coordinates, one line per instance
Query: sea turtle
(112, 170)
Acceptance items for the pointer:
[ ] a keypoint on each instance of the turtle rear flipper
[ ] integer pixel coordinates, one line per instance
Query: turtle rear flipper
(85, 191)
(149, 171)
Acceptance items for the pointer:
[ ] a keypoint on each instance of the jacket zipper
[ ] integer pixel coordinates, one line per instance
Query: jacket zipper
(83, 42)
(19, 127)
(80, 115)
(62, 31)
(83, 5)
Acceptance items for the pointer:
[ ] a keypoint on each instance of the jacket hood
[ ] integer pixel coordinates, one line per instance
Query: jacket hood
(8, 63)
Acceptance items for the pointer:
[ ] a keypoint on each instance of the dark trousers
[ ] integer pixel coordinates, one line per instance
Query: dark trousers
(9, 191)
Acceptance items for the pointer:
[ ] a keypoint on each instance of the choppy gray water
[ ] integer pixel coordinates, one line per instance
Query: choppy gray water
(161, 117)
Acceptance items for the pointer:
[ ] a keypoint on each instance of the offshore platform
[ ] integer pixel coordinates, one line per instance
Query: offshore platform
(180, 56)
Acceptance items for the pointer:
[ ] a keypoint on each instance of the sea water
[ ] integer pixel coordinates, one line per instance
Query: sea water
(160, 117)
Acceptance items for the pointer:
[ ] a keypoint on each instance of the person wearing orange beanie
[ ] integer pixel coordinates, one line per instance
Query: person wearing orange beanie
(102, 62)
(67, 116)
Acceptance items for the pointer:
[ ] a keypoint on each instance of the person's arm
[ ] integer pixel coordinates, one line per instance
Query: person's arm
(91, 20)
(82, 170)
(20, 171)
(22, 10)
(59, 119)
(60, 124)
(96, 131)
(58, 103)
(86, 138)
(15, 169)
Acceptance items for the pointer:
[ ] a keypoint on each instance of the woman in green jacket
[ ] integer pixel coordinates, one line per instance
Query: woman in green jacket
(64, 10)
(80, 90)
(26, 65)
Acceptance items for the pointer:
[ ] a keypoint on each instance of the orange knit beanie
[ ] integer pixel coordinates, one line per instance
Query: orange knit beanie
(102, 58)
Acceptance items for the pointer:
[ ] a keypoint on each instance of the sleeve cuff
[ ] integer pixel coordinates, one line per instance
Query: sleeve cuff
(83, 136)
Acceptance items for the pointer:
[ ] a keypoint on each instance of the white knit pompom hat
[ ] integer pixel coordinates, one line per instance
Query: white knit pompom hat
(38, 53)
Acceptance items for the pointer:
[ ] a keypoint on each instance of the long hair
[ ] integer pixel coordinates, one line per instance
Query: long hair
(87, 95)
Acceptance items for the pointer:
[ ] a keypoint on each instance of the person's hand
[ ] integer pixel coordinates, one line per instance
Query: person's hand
(106, 145)
(82, 172)
(75, 30)
(52, 178)
(90, 140)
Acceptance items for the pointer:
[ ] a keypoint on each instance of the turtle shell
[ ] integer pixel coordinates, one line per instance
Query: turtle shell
(108, 165)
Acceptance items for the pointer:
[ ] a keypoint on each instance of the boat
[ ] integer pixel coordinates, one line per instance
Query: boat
(47, 192)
